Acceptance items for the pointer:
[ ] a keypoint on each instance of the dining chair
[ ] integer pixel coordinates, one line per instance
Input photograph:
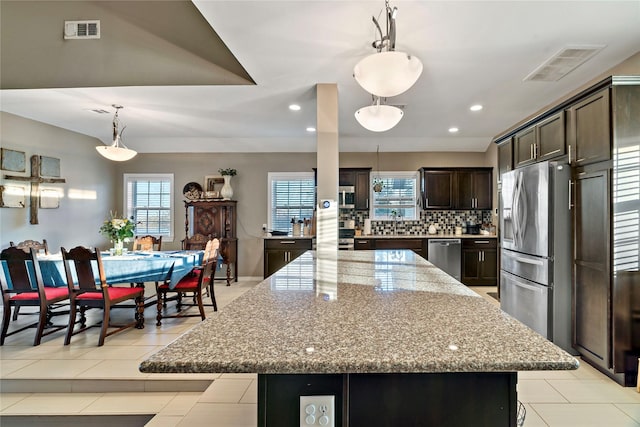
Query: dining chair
(27, 289)
(86, 293)
(195, 242)
(195, 282)
(25, 245)
(147, 243)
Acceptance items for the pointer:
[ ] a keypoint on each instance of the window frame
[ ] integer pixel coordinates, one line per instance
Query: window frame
(133, 177)
(415, 175)
(283, 176)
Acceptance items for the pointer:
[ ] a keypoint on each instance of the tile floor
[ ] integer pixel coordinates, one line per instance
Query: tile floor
(82, 379)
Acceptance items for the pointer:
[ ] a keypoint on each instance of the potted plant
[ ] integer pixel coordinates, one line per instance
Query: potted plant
(378, 185)
(227, 172)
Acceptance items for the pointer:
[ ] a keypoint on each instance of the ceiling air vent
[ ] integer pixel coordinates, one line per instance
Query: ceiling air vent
(82, 29)
(562, 63)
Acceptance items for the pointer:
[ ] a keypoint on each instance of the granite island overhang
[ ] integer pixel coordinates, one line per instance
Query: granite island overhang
(361, 325)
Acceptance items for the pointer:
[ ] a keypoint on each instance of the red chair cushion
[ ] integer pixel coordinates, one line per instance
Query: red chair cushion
(185, 283)
(50, 293)
(114, 293)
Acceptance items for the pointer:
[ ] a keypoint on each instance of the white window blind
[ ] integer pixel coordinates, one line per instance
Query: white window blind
(291, 195)
(398, 195)
(148, 199)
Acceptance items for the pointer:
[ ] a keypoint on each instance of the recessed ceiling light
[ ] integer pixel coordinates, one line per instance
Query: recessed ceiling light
(453, 130)
(476, 107)
(311, 129)
(294, 107)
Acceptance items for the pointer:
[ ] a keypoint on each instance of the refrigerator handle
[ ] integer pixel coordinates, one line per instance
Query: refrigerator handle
(526, 286)
(569, 153)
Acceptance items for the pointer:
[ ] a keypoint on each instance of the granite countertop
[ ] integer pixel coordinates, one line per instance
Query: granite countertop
(385, 311)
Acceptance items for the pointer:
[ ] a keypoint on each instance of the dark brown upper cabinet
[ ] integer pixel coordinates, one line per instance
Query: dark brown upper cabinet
(359, 179)
(437, 189)
(543, 141)
(462, 188)
(505, 157)
(590, 129)
(474, 188)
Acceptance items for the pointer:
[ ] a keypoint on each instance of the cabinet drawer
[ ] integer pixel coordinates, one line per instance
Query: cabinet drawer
(399, 244)
(287, 244)
(480, 243)
(363, 244)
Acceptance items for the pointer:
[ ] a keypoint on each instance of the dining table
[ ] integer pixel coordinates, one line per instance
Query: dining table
(131, 267)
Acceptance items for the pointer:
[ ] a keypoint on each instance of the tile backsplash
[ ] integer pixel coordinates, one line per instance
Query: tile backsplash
(443, 220)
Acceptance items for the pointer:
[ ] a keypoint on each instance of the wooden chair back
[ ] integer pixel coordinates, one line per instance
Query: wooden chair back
(211, 250)
(28, 244)
(147, 243)
(17, 261)
(78, 266)
(195, 242)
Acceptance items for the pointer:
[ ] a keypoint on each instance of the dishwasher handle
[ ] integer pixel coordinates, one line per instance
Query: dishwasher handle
(445, 242)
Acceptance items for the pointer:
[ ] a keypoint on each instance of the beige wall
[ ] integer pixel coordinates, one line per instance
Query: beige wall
(88, 192)
(250, 185)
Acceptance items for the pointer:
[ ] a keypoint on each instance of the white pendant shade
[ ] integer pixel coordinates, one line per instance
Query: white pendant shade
(379, 118)
(116, 151)
(387, 74)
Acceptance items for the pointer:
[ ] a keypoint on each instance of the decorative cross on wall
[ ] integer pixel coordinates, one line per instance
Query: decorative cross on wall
(35, 180)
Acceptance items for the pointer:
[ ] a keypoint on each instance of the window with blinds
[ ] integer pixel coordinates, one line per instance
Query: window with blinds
(291, 195)
(148, 200)
(397, 200)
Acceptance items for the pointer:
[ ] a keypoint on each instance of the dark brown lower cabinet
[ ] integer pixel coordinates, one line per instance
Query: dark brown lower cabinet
(479, 262)
(280, 252)
(394, 399)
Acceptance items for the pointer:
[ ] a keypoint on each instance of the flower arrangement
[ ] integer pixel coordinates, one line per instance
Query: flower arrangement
(118, 229)
(228, 171)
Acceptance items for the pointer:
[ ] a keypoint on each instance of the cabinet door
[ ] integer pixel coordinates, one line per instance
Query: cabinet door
(437, 189)
(551, 137)
(470, 266)
(483, 189)
(489, 270)
(591, 271)
(505, 157)
(591, 129)
(523, 146)
(465, 193)
(346, 177)
(362, 190)
(274, 260)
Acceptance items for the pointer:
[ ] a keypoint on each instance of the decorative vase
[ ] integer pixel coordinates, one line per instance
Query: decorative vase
(226, 191)
(118, 245)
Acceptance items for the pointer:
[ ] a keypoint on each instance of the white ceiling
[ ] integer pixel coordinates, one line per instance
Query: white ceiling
(472, 51)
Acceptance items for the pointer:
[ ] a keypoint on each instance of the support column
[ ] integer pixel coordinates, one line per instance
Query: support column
(327, 163)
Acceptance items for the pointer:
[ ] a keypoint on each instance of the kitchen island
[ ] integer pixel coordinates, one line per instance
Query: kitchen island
(393, 338)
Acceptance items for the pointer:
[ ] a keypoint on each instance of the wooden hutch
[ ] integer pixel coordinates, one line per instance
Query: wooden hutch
(215, 219)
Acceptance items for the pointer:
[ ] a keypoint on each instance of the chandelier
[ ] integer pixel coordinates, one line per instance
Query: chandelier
(117, 151)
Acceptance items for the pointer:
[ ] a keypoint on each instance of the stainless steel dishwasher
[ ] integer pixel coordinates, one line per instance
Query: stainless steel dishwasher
(445, 254)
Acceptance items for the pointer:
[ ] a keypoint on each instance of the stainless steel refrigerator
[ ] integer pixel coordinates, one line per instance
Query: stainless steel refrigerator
(535, 227)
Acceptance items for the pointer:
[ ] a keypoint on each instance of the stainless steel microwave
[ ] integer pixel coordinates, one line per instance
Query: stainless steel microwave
(346, 197)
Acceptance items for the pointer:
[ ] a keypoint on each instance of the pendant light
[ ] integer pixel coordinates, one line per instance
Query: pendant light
(377, 117)
(388, 72)
(117, 151)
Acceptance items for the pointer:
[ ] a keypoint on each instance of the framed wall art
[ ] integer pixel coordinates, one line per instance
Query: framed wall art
(49, 166)
(13, 196)
(12, 160)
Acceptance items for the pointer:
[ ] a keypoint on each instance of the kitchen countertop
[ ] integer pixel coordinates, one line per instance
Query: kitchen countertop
(359, 312)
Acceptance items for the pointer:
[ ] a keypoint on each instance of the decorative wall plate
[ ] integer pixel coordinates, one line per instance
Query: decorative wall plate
(192, 191)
